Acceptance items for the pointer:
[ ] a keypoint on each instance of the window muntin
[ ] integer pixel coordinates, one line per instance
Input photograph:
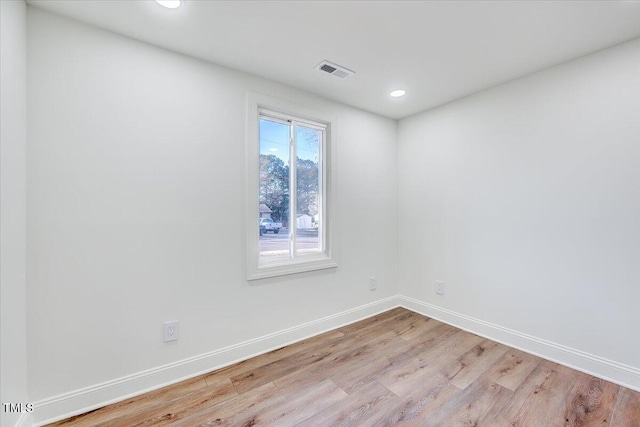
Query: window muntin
(291, 185)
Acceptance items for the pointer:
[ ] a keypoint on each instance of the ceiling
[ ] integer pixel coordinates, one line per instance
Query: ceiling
(437, 51)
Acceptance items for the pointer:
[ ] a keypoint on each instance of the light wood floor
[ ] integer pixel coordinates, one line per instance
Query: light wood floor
(396, 368)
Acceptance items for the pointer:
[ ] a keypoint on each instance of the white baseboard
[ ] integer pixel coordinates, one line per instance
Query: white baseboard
(627, 376)
(89, 398)
(96, 396)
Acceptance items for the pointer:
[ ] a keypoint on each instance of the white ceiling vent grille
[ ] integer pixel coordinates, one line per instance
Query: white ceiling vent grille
(334, 69)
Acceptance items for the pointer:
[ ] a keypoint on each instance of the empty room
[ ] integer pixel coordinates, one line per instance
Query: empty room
(320, 213)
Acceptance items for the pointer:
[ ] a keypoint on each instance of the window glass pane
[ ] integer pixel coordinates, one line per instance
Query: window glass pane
(308, 218)
(273, 219)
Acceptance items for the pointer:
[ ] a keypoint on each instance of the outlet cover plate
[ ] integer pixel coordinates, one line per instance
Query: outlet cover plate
(171, 331)
(439, 287)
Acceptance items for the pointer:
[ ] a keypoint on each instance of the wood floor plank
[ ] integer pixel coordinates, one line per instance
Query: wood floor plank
(357, 373)
(475, 362)
(408, 324)
(558, 367)
(133, 405)
(343, 361)
(290, 409)
(166, 413)
(286, 365)
(395, 368)
(626, 412)
(343, 354)
(361, 371)
(470, 407)
(538, 401)
(273, 356)
(402, 378)
(419, 327)
(591, 402)
(378, 321)
(370, 337)
(380, 369)
(416, 406)
(430, 338)
(512, 369)
(355, 409)
(223, 414)
(423, 350)
(413, 327)
(395, 324)
(509, 413)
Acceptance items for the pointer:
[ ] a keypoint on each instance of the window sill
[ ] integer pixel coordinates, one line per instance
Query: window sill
(275, 270)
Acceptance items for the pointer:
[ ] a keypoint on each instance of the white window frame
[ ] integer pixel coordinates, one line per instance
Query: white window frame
(279, 109)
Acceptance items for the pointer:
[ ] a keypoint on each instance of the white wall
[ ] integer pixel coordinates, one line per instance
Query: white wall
(525, 200)
(13, 148)
(136, 202)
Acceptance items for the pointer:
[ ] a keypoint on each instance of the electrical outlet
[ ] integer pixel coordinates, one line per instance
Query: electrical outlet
(171, 331)
(372, 283)
(439, 287)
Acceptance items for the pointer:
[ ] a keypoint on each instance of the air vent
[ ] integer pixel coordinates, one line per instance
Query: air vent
(334, 69)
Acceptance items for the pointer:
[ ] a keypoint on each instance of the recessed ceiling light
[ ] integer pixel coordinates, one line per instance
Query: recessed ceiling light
(397, 93)
(170, 4)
